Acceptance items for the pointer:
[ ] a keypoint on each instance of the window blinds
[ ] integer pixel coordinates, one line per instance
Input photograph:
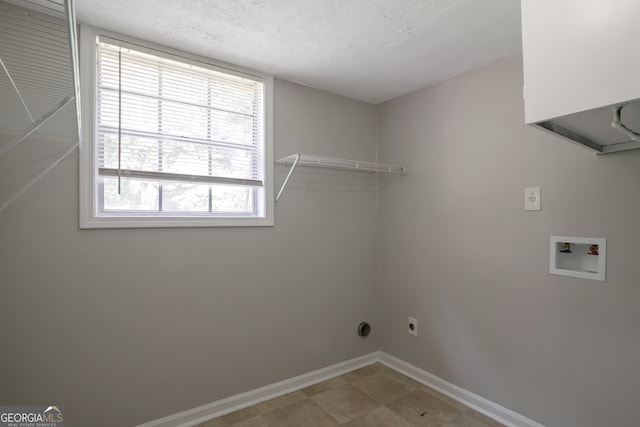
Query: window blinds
(168, 121)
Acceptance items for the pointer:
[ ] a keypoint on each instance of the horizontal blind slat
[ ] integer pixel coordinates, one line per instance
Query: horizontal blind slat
(174, 177)
(179, 121)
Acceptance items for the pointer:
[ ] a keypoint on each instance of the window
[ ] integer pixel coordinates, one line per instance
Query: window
(171, 139)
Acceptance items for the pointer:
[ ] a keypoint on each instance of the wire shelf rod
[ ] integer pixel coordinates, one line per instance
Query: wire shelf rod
(38, 177)
(49, 7)
(35, 125)
(15, 88)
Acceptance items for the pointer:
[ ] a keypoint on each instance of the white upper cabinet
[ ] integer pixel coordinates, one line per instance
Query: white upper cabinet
(581, 64)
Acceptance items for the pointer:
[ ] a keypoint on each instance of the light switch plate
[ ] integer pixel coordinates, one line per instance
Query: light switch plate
(532, 200)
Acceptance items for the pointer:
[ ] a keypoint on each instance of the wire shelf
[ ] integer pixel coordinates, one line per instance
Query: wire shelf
(336, 163)
(312, 160)
(48, 7)
(38, 82)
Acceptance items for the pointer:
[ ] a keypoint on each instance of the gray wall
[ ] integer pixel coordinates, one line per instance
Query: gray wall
(126, 326)
(459, 253)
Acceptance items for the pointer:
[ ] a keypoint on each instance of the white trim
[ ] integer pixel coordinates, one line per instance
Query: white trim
(192, 417)
(472, 400)
(230, 404)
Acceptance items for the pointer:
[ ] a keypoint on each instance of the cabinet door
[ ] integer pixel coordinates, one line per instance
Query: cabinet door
(579, 55)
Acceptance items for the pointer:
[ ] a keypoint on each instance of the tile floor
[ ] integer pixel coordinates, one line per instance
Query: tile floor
(373, 396)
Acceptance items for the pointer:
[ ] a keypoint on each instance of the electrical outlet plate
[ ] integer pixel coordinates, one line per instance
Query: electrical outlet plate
(532, 200)
(412, 327)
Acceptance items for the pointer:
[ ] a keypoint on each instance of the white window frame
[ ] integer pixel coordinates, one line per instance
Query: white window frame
(89, 216)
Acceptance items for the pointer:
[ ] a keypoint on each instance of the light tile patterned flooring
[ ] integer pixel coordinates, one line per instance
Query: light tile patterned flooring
(373, 396)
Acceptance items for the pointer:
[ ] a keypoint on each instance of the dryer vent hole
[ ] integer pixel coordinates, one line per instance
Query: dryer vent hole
(364, 329)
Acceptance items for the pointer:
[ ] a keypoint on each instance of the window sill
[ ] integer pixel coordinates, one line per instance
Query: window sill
(172, 222)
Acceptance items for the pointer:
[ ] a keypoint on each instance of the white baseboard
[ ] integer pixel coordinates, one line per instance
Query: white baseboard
(230, 404)
(472, 400)
(192, 417)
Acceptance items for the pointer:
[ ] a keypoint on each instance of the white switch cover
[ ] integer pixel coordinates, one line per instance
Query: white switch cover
(532, 201)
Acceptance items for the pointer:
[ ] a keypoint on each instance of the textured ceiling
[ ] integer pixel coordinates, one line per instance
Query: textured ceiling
(372, 50)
